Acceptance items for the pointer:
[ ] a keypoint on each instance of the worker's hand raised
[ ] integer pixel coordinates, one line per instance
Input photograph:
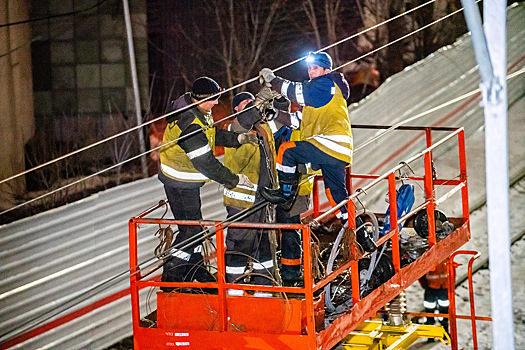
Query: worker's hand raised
(263, 98)
(247, 137)
(244, 181)
(267, 75)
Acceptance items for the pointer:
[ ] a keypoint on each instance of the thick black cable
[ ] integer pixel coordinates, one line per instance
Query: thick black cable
(53, 16)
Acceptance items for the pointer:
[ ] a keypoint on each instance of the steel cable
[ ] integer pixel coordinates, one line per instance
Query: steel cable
(194, 104)
(206, 233)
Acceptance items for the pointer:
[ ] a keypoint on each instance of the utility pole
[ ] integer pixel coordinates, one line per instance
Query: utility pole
(490, 49)
(136, 95)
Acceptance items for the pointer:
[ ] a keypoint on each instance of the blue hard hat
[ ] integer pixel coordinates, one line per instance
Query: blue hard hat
(322, 59)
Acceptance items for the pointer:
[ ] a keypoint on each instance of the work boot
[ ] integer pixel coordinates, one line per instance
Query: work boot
(284, 196)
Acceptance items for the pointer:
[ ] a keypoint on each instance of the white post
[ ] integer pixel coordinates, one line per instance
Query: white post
(133, 66)
(495, 102)
(490, 48)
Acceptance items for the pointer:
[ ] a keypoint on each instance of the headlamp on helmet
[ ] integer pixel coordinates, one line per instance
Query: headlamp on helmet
(321, 59)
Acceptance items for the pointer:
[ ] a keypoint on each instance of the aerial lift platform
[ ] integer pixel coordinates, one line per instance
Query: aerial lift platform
(295, 317)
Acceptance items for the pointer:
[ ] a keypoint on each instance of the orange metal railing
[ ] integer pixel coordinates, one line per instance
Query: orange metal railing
(309, 337)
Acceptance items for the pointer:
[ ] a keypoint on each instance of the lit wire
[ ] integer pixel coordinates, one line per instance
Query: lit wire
(357, 34)
(401, 38)
(510, 76)
(108, 168)
(170, 113)
(366, 143)
(195, 103)
(431, 110)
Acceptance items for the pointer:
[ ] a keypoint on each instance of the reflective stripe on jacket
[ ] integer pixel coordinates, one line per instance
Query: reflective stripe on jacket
(175, 163)
(328, 127)
(247, 160)
(243, 160)
(325, 122)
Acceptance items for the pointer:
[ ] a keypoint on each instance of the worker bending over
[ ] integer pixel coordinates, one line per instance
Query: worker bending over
(248, 251)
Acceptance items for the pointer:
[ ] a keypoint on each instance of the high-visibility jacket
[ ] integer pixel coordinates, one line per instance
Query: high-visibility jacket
(247, 160)
(243, 160)
(187, 157)
(175, 162)
(437, 278)
(306, 184)
(325, 122)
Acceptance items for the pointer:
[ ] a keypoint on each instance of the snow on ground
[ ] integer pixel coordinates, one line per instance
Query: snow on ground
(481, 282)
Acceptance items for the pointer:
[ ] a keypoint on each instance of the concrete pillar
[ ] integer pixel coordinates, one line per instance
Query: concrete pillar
(16, 96)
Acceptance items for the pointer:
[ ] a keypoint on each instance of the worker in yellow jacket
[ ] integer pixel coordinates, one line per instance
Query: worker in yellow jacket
(187, 162)
(248, 251)
(326, 136)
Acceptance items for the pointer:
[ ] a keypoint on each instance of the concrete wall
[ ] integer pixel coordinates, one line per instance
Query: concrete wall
(66, 83)
(16, 91)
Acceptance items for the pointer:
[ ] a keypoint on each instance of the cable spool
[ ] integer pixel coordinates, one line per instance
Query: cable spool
(421, 222)
(383, 271)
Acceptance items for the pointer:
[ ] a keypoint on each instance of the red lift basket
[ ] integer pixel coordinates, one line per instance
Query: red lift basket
(220, 321)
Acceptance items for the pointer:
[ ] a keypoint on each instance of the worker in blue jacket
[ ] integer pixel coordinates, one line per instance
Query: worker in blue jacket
(325, 133)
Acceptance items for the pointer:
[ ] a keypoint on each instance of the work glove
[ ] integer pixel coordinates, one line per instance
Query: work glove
(267, 76)
(247, 137)
(244, 181)
(263, 98)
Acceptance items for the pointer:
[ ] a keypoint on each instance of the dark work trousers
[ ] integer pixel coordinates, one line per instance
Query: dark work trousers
(186, 263)
(333, 169)
(436, 298)
(291, 248)
(243, 244)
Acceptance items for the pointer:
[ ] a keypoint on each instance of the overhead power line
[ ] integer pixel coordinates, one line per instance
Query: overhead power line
(229, 116)
(194, 104)
(187, 107)
(53, 16)
(109, 282)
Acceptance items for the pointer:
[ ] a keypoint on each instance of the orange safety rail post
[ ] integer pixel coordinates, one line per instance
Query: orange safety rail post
(392, 200)
(451, 268)
(429, 190)
(463, 173)
(315, 196)
(354, 264)
(308, 284)
(221, 279)
(134, 270)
